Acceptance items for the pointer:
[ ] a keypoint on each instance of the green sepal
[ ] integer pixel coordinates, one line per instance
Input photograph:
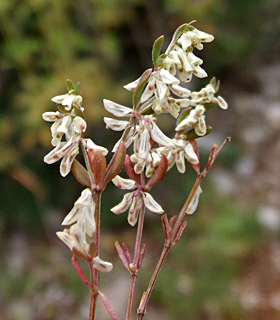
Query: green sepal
(62, 109)
(192, 135)
(215, 83)
(79, 112)
(140, 87)
(147, 111)
(183, 115)
(70, 85)
(156, 49)
(78, 88)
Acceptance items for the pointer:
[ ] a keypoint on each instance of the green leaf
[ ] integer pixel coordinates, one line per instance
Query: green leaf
(183, 115)
(140, 87)
(70, 85)
(156, 49)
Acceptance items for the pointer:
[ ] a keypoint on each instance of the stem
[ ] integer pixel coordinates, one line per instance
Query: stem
(94, 274)
(135, 260)
(170, 241)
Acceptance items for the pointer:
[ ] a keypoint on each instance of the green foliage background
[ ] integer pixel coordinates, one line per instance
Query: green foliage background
(105, 44)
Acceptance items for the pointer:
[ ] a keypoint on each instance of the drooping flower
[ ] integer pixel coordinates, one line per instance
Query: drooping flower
(135, 200)
(181, 150)
(158, 92)
(68, 100)
(79, 236)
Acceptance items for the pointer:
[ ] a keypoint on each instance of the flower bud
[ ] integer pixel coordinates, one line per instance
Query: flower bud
(129, 167)
(159, 174)
(97, 164)
(116, 163)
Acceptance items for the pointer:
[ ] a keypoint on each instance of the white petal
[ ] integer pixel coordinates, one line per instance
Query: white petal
(124, 204)
(92, 145)
(116, 109)
(203, 36)
(162, 90)
(66, 238)
(180, 162)
(132, 85)
(144, 145)
(159, 137)
(200, 127)
(124, 184)
(134, 210)
(149, 91)
(72, 216)
(59, 99)
(79, 125)
(90, 225)
(221, 102)
(151, 203)
(53, 156)
(65, 122)
(66, 164)
(51, 116)
(101, 265)
(194, 203)
(180, 91)
(190, 154)
(199, 72)
(168, 78)
(194, 60)
(116, 125)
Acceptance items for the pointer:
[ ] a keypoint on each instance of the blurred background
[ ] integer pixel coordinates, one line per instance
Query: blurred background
(227, 264)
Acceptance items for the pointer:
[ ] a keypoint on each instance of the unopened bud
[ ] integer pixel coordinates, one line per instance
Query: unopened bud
(97, 164)
(129, 168)
(116, 163)
(80, 173)
(159, 174)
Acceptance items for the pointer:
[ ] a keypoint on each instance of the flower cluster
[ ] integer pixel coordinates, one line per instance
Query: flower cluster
(160, 92)
(79, 236)
(67, 130)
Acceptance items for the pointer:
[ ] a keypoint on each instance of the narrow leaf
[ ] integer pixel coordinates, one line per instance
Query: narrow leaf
(80, 271)
(140, 86)
(70, 85)
(191, 134)
(156, 49)
(80, 173)
(122, 255)
(108, 306)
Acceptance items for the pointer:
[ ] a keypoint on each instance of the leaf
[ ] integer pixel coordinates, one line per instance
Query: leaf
(140, 86)
(70, 85)
(156, 49)
(80, 173)
(183, 115)
(80, 271)
(108, 306)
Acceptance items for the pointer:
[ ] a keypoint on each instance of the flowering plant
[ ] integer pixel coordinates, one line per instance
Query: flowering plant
(158, 90)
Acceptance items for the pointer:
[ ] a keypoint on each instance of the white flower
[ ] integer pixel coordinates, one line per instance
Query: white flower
(68, 100)
(178, 153)
(89, 144)
(134, 200)
(67, 151)
(206, 95)
(194, 38)
(196, 120)
(159, 89)
(76, 239)
(84, 206)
